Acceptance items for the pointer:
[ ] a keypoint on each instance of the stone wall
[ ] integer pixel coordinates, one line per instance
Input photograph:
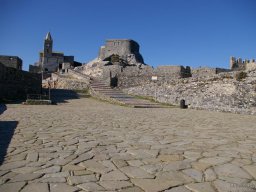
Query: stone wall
(127, 49)
(221, 92)
(11, 61)
(16, 84)
(206, 71)
(240, 64)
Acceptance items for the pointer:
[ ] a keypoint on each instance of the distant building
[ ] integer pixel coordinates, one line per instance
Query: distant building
(51, 61)
(11, 61)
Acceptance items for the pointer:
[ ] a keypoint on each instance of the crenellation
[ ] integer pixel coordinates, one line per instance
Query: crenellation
(240, 64)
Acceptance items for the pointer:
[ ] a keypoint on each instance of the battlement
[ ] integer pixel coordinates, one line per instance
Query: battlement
(126, 49)
(241, 64)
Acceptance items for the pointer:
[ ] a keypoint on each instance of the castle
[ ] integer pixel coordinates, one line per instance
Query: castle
(125, 49)
(51, 61)
(239, 64)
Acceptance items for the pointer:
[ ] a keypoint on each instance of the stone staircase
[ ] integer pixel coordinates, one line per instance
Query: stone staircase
(101, 90)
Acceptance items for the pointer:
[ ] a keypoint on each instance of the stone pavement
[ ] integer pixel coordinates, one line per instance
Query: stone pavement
(88, 145)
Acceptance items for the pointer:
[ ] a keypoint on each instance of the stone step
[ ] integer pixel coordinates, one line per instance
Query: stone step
(116, 94)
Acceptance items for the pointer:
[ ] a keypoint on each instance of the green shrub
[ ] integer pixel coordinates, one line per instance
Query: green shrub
(241, 75)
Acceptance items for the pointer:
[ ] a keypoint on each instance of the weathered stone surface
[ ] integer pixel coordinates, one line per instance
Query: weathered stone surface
(152, 185)
(131, 189)
(251, 169)
(114, 185)
(53, 169)
(12, 165)
(26, 177)
(12, 187)
(72, 168)
(178, 189)
(62, 187)
(209, 175)
(195, 174)
(74, 180)
(114, 176)
(200, 187)
(215, 160)
(231, 170)
(94, 166)
(36, 187)
(177, 165)
(174, 176)
(135, 172)
(168, 158)
(90, 187)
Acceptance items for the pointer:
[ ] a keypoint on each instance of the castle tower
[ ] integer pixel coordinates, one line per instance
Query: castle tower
(232, 62)
(48, 42)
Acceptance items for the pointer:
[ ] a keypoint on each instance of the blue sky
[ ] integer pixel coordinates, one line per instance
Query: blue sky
(176, 32)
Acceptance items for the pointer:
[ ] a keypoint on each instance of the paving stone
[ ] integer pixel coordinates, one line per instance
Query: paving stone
(131, 189)
(251, 169)
(12, 187)
(178, 189)
(82, 172)
(72, 168)
(176, 165)
(74, 180)
(174, 176)
(192, 155)
(25, 170)
(3, 172)
(120, 163)
(200, 187)
(53, 180)
(195, 174)
(94, 166)
(26, 177)
(209, 175)
(135, 163)
(200, 166)
(223, 186)
(231, 170)
(59, 174)
(152, 168)
(215, 160)
(36, 187)
(114, 175)
(62, 187)
(32, 156)
(153, 185)
(12, 165)
(168, 158)
(114, 185)
(53, 169)
(90, 187)
(82, 157)
(135, 172)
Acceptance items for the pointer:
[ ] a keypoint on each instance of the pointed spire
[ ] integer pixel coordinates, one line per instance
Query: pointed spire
(48, 36)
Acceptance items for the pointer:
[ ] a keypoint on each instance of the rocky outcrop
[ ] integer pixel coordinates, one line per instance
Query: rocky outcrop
(222, 92)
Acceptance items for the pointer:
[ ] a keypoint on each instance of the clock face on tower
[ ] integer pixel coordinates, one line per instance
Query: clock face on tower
(47, 45)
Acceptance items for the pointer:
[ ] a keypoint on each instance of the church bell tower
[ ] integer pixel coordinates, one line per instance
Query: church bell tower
(48, 44)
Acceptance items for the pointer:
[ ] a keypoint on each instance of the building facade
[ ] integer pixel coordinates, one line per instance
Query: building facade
(50, 61)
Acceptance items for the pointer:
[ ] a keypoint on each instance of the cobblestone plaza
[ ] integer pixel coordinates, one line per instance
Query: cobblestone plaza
(88, 145)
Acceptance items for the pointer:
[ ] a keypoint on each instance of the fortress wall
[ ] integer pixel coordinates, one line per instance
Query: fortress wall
(206, 71)
(250, 66)
(16, 84)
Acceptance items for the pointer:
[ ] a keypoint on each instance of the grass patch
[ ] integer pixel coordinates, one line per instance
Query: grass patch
(152, 99)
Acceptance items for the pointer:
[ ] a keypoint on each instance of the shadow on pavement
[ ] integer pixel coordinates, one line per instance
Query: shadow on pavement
(2, 108)
(7, 129)
(63, 95)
